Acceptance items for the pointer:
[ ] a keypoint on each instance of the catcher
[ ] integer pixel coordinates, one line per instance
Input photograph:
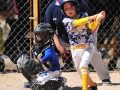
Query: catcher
(43, 52)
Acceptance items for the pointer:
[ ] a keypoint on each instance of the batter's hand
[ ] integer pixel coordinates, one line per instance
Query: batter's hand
(100, 16)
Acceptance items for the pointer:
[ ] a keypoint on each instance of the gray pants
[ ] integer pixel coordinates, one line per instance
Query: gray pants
(96, 61)
(99, 66)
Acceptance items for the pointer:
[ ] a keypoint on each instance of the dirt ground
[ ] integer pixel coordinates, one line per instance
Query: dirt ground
(14, 81)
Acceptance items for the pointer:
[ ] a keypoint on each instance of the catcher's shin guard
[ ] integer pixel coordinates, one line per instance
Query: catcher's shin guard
(55, 84)
(26, 75)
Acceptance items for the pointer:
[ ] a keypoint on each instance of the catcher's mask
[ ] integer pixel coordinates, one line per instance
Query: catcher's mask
(43, 33)
(73, 3)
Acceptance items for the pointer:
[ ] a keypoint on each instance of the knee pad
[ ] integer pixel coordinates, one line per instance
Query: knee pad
(53, 84)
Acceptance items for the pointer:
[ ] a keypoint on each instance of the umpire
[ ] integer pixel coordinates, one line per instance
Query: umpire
(54, 16)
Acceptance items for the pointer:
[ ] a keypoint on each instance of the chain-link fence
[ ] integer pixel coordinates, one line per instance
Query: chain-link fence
(14, 36)
(15, 25)
(108, 33)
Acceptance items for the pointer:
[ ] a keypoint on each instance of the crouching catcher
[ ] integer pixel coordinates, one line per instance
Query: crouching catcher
(43, 53)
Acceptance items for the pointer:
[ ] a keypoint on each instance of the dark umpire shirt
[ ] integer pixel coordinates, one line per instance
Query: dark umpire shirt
(54, 16)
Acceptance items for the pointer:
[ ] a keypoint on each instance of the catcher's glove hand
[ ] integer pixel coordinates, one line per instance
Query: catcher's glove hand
(29, 65)
(39, 56)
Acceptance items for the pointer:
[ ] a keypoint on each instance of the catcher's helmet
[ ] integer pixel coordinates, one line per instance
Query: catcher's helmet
(45, 28)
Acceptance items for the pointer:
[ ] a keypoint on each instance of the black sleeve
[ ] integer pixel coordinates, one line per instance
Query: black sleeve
(48, 15)
(87, 8)
(84, 7)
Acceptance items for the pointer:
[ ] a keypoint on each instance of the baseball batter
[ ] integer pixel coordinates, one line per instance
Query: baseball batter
(79, 28)
(54, 16)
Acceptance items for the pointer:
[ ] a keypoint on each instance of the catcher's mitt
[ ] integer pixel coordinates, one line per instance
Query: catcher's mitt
(29, 65)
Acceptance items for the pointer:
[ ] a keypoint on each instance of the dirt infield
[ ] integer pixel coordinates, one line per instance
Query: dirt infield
(14, 81)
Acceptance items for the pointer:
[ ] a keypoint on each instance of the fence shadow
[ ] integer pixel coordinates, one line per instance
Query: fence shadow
(73, 88)
(100, 84)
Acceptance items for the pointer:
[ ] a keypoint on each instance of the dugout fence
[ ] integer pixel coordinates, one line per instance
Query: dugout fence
(23, 16)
